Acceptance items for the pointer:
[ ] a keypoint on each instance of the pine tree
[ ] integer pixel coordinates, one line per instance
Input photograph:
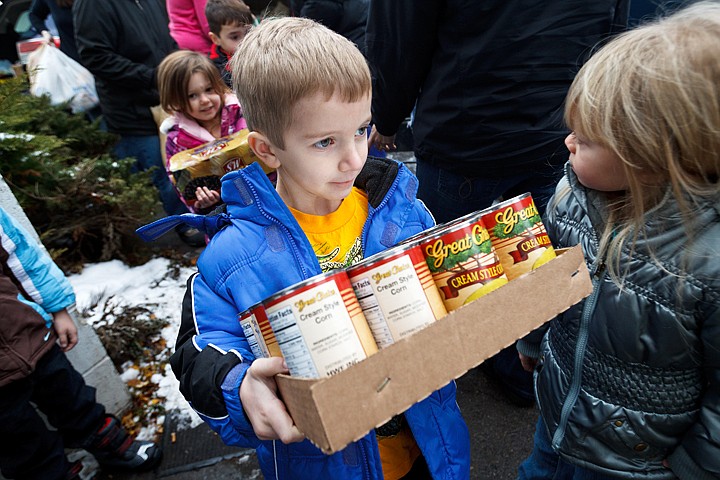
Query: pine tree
(84, 203)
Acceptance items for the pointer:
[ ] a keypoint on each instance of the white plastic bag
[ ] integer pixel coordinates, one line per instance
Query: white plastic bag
(65, 80)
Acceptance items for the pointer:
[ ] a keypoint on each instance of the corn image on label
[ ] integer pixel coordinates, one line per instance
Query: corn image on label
(518, 235)
(462, 261)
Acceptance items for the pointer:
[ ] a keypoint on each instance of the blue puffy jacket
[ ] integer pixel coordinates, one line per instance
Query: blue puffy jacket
(261, 250)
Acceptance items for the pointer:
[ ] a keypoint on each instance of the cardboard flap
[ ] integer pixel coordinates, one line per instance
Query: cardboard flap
(333, 412)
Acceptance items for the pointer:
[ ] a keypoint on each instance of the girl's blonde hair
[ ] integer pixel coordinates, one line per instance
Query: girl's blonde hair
(174, 74)
(652, 97)
(284, 60)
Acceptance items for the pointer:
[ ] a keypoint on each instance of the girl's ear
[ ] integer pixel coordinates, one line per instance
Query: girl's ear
(263, 148)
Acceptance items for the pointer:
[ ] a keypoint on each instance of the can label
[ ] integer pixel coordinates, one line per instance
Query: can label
(396, 293)
(266, 337)
(319, 326)
(463, 262)
(518, 235)
(253, 335)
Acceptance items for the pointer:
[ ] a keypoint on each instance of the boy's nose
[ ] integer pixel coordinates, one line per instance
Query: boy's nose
(353, 158)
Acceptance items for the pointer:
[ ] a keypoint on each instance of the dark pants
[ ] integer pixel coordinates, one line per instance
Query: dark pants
(28, 449)
(449, 195)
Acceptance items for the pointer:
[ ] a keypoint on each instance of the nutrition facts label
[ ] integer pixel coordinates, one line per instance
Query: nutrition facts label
(373, 314)
(249, 333)
(291, 342)
(393, 300)
(315, 333)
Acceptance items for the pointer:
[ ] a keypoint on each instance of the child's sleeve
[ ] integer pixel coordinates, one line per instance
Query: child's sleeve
(32, 269)
(210, 360)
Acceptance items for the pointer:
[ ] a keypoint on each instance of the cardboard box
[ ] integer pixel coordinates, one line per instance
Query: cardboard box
(333, 412)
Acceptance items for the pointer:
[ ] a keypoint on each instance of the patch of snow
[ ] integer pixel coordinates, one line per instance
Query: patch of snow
(150, 286)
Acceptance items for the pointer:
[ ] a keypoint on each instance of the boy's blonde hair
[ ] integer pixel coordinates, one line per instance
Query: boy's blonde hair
(174, 74)
(652, 97)
(284, 60)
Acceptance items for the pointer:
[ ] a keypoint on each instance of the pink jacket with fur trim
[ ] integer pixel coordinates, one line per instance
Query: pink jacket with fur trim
(184, 133)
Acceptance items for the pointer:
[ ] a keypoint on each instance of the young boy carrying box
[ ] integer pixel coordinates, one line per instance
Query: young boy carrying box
(305, 92)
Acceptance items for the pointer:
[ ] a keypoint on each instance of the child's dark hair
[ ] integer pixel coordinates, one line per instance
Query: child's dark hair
(226, 12)
(174, 74)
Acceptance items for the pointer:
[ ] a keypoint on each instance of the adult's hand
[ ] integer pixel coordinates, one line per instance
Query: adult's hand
(259, 395)
(48, 38)
(381, 142)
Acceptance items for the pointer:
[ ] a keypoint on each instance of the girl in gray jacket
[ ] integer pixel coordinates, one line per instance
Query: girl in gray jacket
(628, 381)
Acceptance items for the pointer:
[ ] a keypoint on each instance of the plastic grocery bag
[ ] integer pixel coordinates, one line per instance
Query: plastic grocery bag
(55, 74)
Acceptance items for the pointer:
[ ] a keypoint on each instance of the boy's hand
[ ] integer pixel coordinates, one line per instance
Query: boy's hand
(66, 330)
(266, 412)
(206, 197)
(381, 142)
(528, 363)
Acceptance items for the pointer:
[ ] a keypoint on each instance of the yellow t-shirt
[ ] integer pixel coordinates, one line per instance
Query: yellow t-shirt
(336, 241)
(336, 237)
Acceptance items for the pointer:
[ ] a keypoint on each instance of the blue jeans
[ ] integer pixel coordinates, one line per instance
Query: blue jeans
(146, 150)
(544, 464)
(450, 195)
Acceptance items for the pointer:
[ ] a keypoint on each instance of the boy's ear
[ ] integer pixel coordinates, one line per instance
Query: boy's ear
(263, 148)
(214, 38)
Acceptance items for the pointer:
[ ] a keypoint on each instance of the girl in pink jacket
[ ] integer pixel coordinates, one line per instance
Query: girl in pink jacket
(203, 109)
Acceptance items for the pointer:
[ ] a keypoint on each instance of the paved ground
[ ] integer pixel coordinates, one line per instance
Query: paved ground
(501, 436)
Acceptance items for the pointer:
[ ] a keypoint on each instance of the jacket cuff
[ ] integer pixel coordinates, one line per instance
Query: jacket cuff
(231, 394)
(683, 465)
(528, 349)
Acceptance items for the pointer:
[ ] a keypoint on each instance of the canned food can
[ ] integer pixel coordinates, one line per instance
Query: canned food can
(258, 332)
(462, 261)
(253, 335)
(518, 235)
(266, 334)
(319, 326)
(396, 293)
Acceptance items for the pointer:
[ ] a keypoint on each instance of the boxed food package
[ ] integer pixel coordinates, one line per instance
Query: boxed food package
(203, 166)
(335, 411)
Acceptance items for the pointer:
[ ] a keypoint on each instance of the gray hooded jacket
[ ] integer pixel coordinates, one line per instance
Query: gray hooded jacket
(631, 376)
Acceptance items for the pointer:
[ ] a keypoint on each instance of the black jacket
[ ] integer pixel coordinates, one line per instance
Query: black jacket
(346, 17)
(122, 42)
(489, 77)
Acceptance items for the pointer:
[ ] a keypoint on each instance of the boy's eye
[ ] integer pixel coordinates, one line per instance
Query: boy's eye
(362, 131)
(324, 143)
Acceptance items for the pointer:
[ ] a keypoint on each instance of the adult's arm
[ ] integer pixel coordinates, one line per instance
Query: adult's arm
(400, 41)
(37, 14)
(328, 12)
(98, 35)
